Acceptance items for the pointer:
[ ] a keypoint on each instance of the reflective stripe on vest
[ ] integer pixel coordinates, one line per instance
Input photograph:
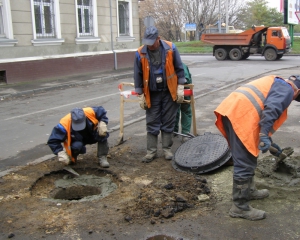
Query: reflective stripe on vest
(244, 108)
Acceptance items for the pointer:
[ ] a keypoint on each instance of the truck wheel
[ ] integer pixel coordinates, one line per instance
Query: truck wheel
(235, 54)
(245, 56)
(270, 54)
(220, 54)
(279, 56)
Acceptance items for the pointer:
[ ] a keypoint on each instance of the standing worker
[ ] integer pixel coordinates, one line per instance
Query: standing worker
(158, 79)
(247, 118)
(80, 127)
(184, 113)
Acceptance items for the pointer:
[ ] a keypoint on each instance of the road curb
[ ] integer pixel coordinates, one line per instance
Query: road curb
(72, 84)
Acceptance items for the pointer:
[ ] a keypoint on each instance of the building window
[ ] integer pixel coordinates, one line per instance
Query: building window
(123, 8)
(6, 30)
(1, 20)
(87, 23)
(85, 17)
(125, 31)
(44, 18)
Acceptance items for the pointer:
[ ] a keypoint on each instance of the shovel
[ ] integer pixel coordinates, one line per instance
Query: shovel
(71, 170)
(280, 157)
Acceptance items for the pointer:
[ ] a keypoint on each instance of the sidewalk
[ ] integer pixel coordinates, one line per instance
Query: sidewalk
(34, 87)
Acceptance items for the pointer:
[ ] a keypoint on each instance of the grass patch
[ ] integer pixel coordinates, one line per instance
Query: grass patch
(200, 47)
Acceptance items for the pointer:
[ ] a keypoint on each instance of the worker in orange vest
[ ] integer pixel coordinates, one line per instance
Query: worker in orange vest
(247, 118)
(159, 81)
(80, 127)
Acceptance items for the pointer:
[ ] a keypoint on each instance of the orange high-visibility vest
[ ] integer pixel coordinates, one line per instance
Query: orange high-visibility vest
(66, 122)
(172, 79)
(244, 107)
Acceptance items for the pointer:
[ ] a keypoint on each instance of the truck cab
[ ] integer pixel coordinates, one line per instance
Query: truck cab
(277, 42)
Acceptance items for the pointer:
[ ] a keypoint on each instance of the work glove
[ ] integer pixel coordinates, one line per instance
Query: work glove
(63, 157)
(180, 93)
(279, 150)
(142, 101)
(102, 129)
(264, 143)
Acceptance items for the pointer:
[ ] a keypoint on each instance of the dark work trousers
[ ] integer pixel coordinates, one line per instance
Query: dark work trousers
(244, 163)
(162, 114)
(77, 148)
(186, 118)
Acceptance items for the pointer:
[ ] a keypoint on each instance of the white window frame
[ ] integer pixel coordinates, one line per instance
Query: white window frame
(129, 37)
(55, 39)
(7, 39)
(93, 37)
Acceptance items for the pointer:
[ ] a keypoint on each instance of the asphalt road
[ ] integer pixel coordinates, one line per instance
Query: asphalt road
(26, 122)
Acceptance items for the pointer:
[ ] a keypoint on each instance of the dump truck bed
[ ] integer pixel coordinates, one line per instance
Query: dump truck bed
(241, 39)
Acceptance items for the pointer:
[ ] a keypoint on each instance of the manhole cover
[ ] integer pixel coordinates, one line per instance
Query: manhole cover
(202, 154)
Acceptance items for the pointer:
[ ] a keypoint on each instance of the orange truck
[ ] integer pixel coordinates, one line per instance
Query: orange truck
(270, 42)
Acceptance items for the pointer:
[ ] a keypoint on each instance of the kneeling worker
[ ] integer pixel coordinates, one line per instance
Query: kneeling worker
(80, 127)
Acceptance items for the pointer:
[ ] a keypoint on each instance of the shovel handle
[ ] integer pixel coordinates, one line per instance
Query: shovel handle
(271, 148)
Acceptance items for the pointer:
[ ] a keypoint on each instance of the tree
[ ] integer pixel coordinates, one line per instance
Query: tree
(172, 15)
(257, 13)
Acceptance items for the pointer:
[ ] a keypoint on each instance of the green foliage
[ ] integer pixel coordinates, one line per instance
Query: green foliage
(200, 47)
(296, 45)
(194, 47)
(257, 12)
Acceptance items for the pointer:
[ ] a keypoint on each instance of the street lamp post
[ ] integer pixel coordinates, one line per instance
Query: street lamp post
(219, 20)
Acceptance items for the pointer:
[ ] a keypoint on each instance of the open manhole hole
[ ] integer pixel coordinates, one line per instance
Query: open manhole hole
(61, 186)
(163, 237)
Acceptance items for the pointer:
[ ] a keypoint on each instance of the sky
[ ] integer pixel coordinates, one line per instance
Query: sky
(274, 4)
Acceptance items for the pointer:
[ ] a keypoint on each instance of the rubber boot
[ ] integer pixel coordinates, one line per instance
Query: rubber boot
(256, 194)
(240, 207)
(167, 143)
(151, 148)
(102, 152)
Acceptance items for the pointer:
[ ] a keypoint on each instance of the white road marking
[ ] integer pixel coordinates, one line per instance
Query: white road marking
(195, 75)
(60, 106)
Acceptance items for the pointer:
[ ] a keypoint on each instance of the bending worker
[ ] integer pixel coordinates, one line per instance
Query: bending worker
(158, 79)
(247, 118)
(80, 127)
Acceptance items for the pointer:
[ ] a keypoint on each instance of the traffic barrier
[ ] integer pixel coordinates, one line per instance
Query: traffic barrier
(125, 97)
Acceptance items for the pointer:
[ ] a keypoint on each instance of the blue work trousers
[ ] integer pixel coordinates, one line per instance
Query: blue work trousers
(244, 163)
(162, 114)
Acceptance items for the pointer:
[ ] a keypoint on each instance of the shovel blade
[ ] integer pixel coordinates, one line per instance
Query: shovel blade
(71, 170)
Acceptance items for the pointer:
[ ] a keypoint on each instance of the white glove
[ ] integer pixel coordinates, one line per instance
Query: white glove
(63, 157)
(102, 129)
(142, 101)
(180, 93)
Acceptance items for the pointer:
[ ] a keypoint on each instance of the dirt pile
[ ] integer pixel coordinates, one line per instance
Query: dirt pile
(145, 193)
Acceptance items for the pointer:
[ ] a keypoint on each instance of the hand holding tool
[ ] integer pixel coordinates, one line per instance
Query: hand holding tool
(265, 143)
(63, 157)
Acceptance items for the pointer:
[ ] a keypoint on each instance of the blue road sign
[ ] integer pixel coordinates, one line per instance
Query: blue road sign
(190, 27)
